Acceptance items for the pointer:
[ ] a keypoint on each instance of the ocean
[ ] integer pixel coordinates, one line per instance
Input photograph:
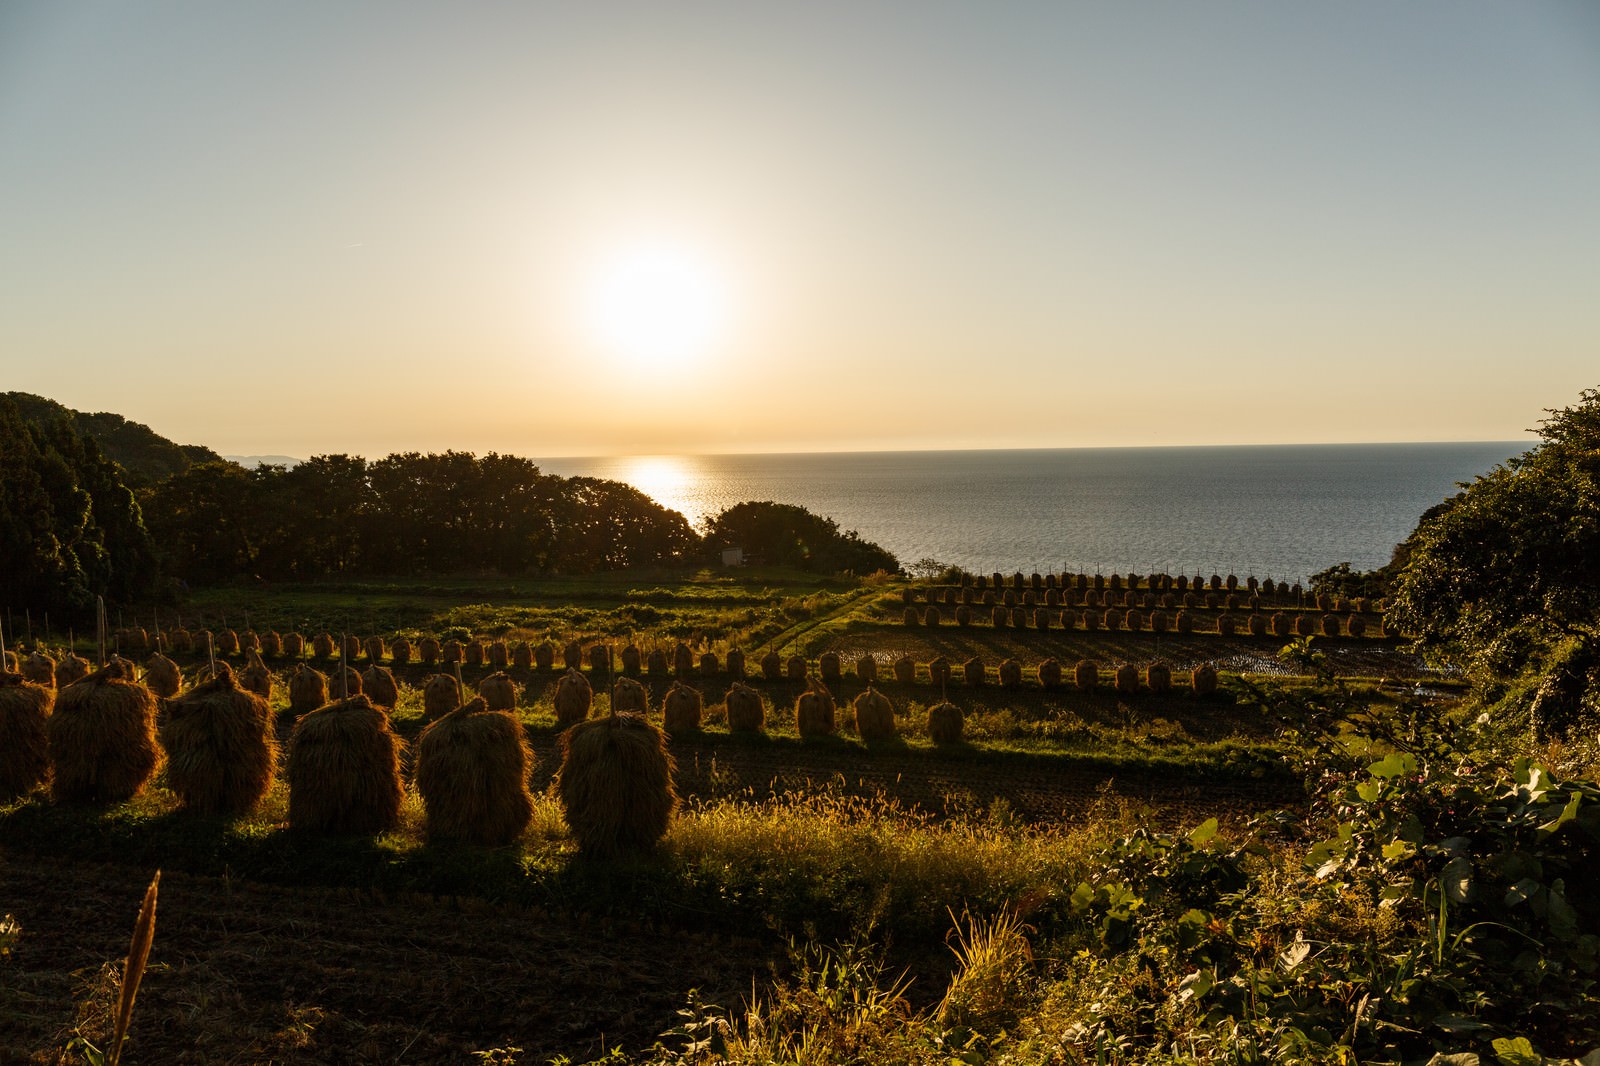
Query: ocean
(1279, 511)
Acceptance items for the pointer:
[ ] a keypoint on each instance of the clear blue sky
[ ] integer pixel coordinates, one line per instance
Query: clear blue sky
(304, 227)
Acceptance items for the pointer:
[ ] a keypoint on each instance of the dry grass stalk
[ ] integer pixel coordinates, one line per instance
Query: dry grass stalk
(102, 736)
(472, 774)
(344, 770)
(441, 694)
(874, 715)
(747, 711)
(24, 740)
(681, 709)
(945, 723)
(615, 785)
(222, 751)
(133, 967)
(308, 689)
(573, 698)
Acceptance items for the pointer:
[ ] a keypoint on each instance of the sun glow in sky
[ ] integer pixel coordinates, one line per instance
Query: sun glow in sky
(292, 227)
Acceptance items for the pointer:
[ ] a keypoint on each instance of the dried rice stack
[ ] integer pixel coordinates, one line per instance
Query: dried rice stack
(735, 663)
(829, 666)
(308, 690)
(1086, 675)
(24, 740)
(632, 661)
(1049, 673)
(227, 642)
(183, 640)
(909, 617)
(162, 676)
(429, 650)
(378, 683)
(999, 617)
(974, 671)
(71, 668)
(1127, 679)
(322, 646)
(498, 692)
(572, 655)
(682, 660)
(344, 770)
(521, 655)
(680, 709)
(866, 669)
(572, 699)
(352, 648)
(349, 677)
(615, 785)
(905, 670)
(797, 668)
(1158, 677)
(375, 649)
(628, 695)
(945, 723)
(472, 774)
(813, 711)
(40, 669)
(939, 671)
(656, 664)
(451, 653)
(747, 712)
(294, 646)
(1203, 679)
(102, 739)
(499, 655)
(544, 656)
(475, 652)
(1011, 673)
(709, 667)
(400, 651)
(440, 695)
(255, 677)
(931, 617)
(874, 715)
(772, 666)
(272, 646)
(221, 749)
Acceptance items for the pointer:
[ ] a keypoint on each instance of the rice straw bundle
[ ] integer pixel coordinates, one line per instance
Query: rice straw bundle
(1052, 598)
(162, 676)
(451, 653)
(497, 691)
(905, 670)
(1113, 618)
(347, 680)
(1203, 679)
(974, 672)
(813, 711)
(182, 641)
(429, 651)
(945, 723)
(227, 642)
(628, 695)
(1041, 619)
(866, 669)
(999, 617)
(747, 712)
(1030, 599)
(797, 668)
(522, 655)
(499, 655)
(24, 735)
(475, 652)
(1127, 679)
(308, 689)
(572, 699)
(657, 663)
(572, 655)
(1019, 618)
(931, 617)
(600, 664)
(400, 651)
(680, 709)
(908, 595)
(1329, 625)
(350, 647)
(255, 677)
(615, 785)
(939, 671)
(344, 770)
(1258, 625)
(1227, 623)
(829, 667)
(375, 649)
(1159, 621)
(772, 666)
(72, 667)
(1158, 677)
(379, 685)
(1009, 599)
(294, 645)
(735, 663)
(1134, 620)
(682, 661)
(1086, 675)
(874, 715)
(472, 774)
(1355, 626)
(1050, 674)
(322, 646)
(39, 669)
(1091, 619)
(249, 641)
(222, 752)
(988, 599)
(102, 737)
(1304, 625)
(544, 656)
(632, 661)
(709, 666)
(441, 694)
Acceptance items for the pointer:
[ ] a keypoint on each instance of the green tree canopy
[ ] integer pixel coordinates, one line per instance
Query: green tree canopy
(784, 534)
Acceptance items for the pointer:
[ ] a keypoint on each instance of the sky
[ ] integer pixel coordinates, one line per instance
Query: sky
(618, 228)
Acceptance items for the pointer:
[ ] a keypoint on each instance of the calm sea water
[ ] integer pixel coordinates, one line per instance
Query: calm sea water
(1272, 511)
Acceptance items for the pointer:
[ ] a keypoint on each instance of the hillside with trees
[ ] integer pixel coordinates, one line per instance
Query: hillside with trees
(144, 455)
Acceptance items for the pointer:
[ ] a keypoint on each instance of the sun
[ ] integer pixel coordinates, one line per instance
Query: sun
(657, 305)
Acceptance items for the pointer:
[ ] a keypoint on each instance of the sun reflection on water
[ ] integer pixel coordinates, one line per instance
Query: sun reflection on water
(670, 480)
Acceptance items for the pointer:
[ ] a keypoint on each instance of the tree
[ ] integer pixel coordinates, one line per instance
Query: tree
(1505, 577)
(783, 534)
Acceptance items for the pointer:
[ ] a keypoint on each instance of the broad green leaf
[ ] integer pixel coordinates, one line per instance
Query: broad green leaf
(1459, 1023)
(1538, 782)
(1522, 891)
(1195, 985)
(1462, 1058)
(1398, 849)
(1563, 919)
(1396, 765)
(1457, 879)
(1369, 791)
(1082, 896)
(1203, 832)
(1294, 955)
(1516, 1051)
(1568, 813)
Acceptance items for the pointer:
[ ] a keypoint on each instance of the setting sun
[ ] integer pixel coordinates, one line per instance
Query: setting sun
(657, 304)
